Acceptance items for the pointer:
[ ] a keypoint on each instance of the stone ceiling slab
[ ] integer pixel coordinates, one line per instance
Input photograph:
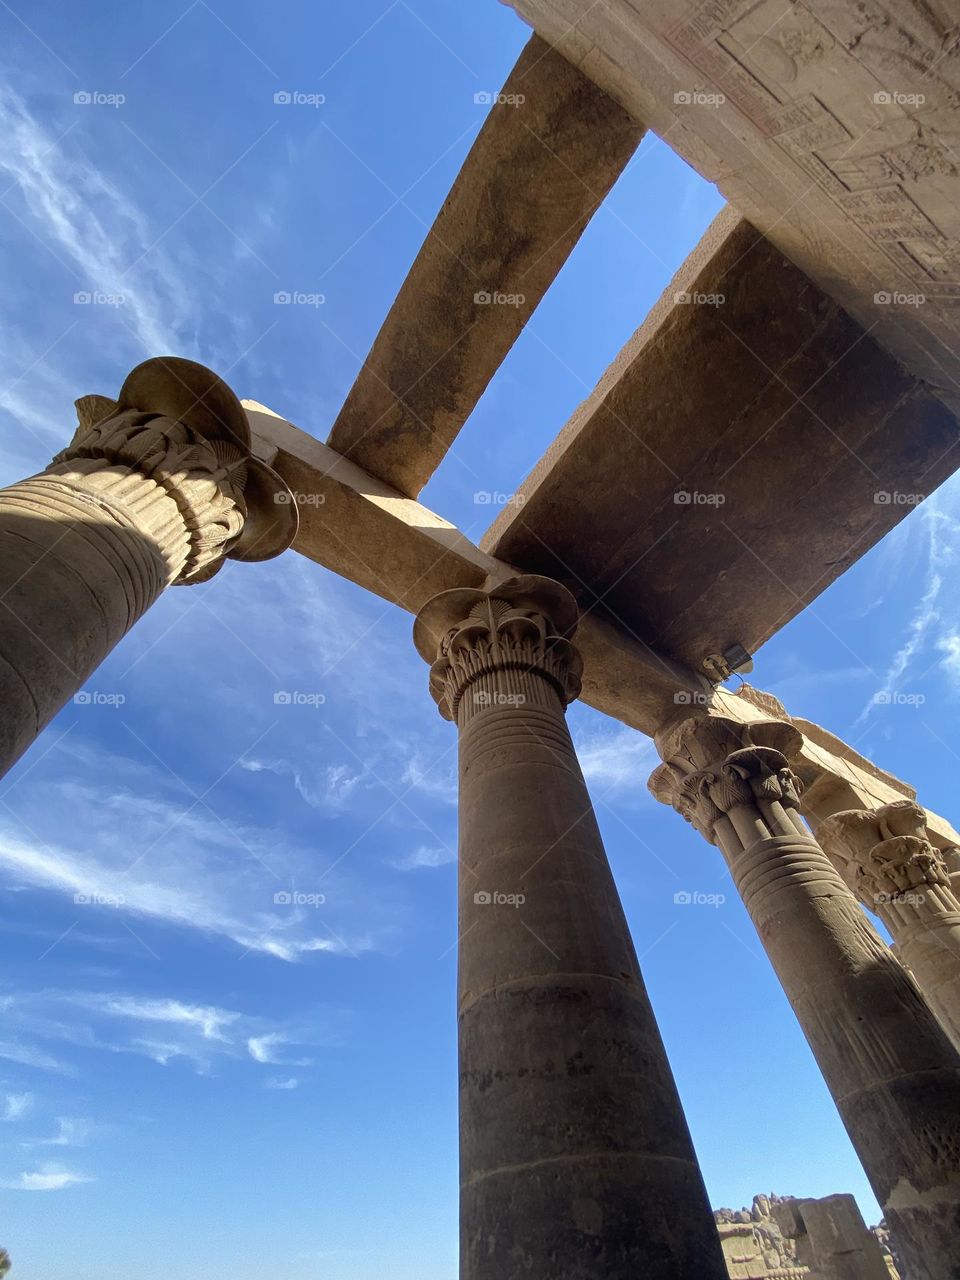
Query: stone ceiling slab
(749, 443)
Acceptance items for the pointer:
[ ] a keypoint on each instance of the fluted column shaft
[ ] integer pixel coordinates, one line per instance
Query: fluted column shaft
(886, 859)
(892, 1071)
(575, 1157)
(155, 488)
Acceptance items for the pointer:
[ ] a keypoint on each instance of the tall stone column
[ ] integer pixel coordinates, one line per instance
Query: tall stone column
(575, 1159)
(157, 487)
(887, 861)
(890, 1067)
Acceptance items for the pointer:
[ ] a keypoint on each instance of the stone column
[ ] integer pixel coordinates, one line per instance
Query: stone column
(157, 487)
(575, 1159)
(885, 857)
(891, 1069)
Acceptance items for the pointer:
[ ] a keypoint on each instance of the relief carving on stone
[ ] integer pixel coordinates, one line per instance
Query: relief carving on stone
(884, 854)
(178, 425)
(521, 627)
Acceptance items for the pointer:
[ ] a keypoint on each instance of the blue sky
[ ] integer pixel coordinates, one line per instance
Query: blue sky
(191, 1072)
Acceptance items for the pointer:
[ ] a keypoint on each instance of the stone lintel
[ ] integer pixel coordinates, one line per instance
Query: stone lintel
(550, 149)
(391, 545)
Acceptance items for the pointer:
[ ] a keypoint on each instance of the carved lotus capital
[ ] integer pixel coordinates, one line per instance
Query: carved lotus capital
(712, 765)
(176, 423)
(523, 626)
(884, 853)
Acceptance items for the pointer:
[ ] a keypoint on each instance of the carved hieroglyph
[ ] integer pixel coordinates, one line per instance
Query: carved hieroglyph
(890, 1067)
(572, 1137)
(156, 487)
(886, 858)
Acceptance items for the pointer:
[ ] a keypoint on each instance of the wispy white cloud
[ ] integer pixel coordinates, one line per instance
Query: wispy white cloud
(929, 536)
(616, 761)
(269, 1049)
(90, 224)
(71, 1132)
(165, 1030)
(49, 1177)
(425, 856)
(193, 871)
(14, 1105)
(331, 790)
(209, 1021)
(282, 1082)
(28, 1055)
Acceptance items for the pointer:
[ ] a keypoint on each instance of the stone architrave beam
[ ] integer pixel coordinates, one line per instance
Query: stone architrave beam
(367, 532)
(550, 149)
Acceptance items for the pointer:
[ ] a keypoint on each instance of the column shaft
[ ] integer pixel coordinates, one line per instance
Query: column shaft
(77, 569)
(891, 1069)
(157, 487)
(886, 859)
(576, 1161)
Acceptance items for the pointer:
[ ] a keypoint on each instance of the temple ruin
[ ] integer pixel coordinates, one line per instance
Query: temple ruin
(813, 400)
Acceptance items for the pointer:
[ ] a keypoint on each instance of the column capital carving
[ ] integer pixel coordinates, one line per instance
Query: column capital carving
(884, 853)
(521, 627)
(178, 425)
(713, 765)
